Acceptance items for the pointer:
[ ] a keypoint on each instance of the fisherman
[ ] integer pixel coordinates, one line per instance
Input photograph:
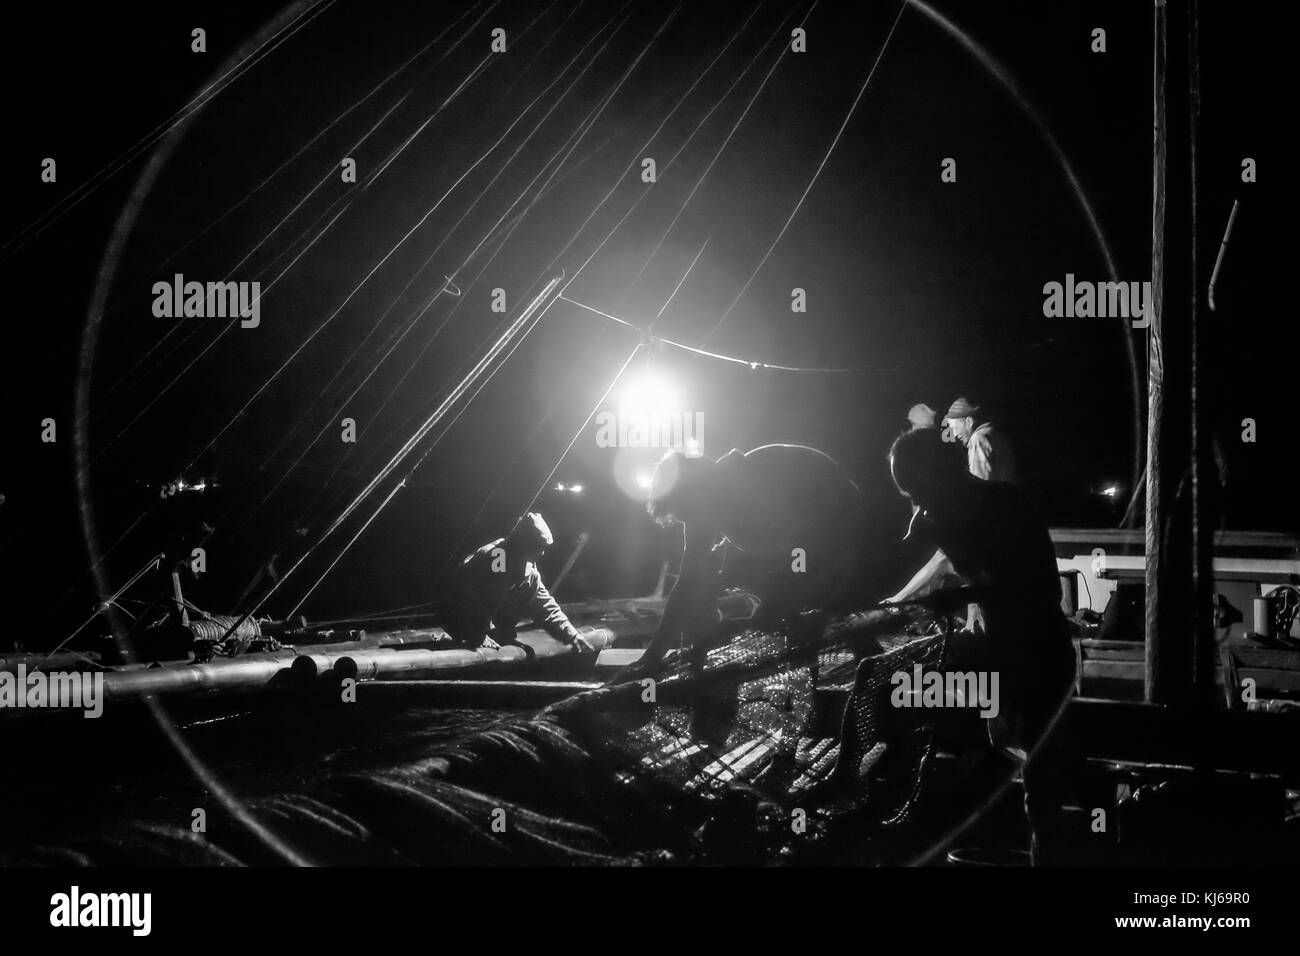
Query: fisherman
(499, 585)
(988, 454)
(995, 542)
(989, 458)
(780, 520)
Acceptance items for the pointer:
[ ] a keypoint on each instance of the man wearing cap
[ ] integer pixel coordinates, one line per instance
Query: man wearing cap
(1004, 551)
(989, 458)
(499, 585)
(988, 455)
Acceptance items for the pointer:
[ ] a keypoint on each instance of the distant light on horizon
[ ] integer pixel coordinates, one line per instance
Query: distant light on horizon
(1110, 491)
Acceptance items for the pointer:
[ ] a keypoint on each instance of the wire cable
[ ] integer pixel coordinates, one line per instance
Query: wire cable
(816, 173)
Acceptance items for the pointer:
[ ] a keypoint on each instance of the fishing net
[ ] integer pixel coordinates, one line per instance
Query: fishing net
(726, 758)
(772, 723)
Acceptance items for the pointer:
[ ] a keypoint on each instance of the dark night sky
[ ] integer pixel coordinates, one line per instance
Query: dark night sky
(935, 288)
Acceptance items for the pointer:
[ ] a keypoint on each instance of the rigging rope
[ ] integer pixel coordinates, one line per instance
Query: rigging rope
(340, 117)
(393, 250)
(717, 153)
(76, 196)
(413, 320)
(550, 286)
(353, 540)
(813, 181)
(586, 421)
(351, 150)
(575, 140)
(583, 128)
(410, 444)
(630, 165)
(482, 383)
(172, 329)
(698, 126)
(660, 340)
(685, 275)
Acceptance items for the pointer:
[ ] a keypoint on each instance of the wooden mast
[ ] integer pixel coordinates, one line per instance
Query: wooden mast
(1179, 527)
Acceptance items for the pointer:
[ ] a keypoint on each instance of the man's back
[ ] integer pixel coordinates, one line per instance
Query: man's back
(996, 539)
(997, 542)
(485, 589)
(494, 593)
(785, 496)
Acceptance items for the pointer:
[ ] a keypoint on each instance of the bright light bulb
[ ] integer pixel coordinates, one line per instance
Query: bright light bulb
(576, 489)
(644, 480)
(651, 390)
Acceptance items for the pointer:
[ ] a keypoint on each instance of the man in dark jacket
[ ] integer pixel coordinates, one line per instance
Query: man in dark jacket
(788, 516)
(1005, 553)
(499, 585)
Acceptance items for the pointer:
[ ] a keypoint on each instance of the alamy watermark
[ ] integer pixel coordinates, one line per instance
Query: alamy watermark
(75, 908)
(1084, 299)
(635, 428)
(208, 300)
(922, 688)
(52, 690)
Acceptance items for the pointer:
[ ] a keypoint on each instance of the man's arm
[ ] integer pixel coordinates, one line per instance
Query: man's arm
(923, 580)
(547, 614)
(979, 456)
(989, 457)
(692, 605)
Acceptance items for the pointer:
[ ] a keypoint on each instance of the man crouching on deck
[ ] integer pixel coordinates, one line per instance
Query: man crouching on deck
(499, 585)
(790, 520)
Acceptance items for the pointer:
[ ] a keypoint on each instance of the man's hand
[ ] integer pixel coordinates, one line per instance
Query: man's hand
(580, 645)
(489, 645)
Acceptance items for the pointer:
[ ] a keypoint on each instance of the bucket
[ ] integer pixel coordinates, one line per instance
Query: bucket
(1263, 616)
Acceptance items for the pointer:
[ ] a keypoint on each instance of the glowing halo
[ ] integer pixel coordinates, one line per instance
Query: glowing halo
(122, 230)
(106, 275)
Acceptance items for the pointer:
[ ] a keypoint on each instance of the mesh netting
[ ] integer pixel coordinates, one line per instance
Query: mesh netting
(707, 765)
(763, 711)
(886, 749)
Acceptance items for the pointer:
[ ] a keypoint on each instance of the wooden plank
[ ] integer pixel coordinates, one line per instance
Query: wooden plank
(1266, 679)
(1260, 544)
(1093, 643)
(615, 658)
(1250, 654)
(1115, 670)
(1220, 740)
(1270, 679)
(1134, 652)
